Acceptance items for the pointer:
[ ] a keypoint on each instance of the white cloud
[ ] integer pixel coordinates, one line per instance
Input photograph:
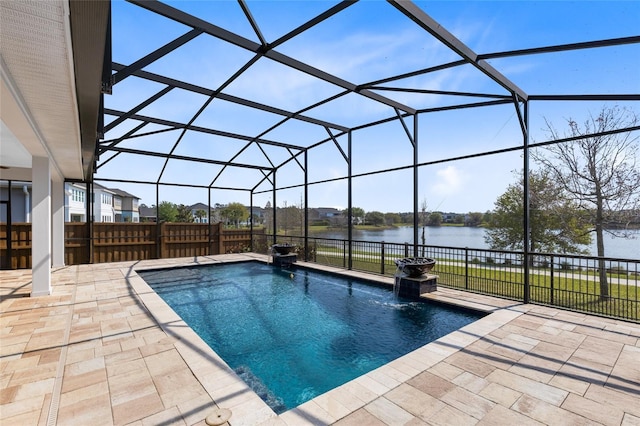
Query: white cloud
(449, 181)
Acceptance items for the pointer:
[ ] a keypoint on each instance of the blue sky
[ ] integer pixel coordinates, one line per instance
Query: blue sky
(368, 41)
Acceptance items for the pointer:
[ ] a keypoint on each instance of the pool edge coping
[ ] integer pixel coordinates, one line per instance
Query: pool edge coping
(228, 390)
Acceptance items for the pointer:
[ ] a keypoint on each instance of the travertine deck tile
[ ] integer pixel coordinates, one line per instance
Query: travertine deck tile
(196, 409)
(414, 401)
(72, 382)
(136, 409)
(570, 383)
(431, 384)
(129, 359)
(470, 382)
(468, 362)
(373, 385)
(500, 415)
(446, 370)
(329, 403)
(359, 418)
(352, 395)
(468, 402)
(176, 388)
(80, 396)
(601, 413)
(388, 376)
(537, 368)
(548, 414)
(170, 416)
(630, 420)
(95, 411)
(390, 413)
(626, 401)
(602, 351)
(585, 370)
(448, 416)
(500, 394)
(626, 372)
(531, 387)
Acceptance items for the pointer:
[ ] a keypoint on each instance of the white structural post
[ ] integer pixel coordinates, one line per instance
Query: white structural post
(41, 227)
(57, 221)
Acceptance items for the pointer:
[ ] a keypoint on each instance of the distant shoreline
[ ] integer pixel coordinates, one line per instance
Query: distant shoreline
(631, 227)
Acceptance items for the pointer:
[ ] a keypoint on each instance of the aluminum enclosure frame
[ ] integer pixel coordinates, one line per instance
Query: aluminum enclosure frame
(512, 94)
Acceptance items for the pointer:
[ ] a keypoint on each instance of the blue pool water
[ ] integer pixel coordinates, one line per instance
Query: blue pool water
(293, 337)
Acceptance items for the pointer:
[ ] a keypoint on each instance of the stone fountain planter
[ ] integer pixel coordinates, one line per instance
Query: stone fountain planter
(284, 254)
(283, 249)
(415, 279)
(415, 266)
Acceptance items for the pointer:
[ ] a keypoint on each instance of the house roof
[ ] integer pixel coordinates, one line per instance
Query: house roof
(122, 193)
(199, 206)
(147, 211)
(325, 210)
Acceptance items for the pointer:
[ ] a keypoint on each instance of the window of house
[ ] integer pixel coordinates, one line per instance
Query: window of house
(77, 195)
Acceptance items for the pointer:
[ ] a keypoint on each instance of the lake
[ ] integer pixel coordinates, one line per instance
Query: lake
(463, 236)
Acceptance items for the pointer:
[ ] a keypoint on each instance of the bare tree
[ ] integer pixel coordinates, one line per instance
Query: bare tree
(268, 218)
(423, 220)
(598, 166)
(301, 214)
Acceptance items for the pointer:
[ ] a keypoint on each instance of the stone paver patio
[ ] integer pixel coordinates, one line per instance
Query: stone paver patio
(105, 349)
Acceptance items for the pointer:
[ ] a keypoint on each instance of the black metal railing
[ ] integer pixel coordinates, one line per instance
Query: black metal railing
(602, 286)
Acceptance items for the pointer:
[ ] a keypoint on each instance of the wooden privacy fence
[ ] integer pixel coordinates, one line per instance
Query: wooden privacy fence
(20, 255)
(115, 242)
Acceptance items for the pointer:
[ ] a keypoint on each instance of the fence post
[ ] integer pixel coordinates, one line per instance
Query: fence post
(344, 253)
(406, 249)
(162, 240)
(220, 238)
(551, 284)
(466, 268)
(382, 257)
(209, 236)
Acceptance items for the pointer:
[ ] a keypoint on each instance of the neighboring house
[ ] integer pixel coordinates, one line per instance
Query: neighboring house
(324, 214)
(147, 214)
(109, 205)
(199, 213)
(328, 212)
(75, 203)
(125, 206)
(257, 212)
(75, 196)
(449, 217)
(103, 210)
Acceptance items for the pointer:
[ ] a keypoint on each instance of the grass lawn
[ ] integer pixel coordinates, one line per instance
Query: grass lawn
(576, 290)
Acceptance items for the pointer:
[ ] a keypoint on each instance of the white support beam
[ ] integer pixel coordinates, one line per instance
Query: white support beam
(57, 221)
(41, 227)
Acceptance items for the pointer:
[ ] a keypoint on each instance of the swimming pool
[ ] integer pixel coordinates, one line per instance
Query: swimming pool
(295, 334)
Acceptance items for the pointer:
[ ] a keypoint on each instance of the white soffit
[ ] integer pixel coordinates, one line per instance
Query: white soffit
(12, 152)
(38, 76)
